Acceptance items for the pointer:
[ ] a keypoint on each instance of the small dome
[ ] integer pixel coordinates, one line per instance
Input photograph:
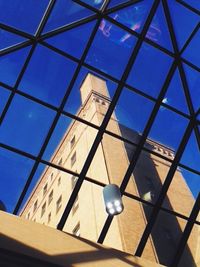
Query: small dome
(2, 206)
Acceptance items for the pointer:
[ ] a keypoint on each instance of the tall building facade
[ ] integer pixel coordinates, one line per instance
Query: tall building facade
(50, 195)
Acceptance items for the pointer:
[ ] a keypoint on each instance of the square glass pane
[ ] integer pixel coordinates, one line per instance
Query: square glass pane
(165, 237)
(14, 172)
(132, 112)
(47, 76)
(150, 171)
(168, 128)
(26, 125)
(24, 15)
(11, 65)
(4, 95)
(65, 12)
(109, 52)
(73, 41)
(147, 74)
(180, 193)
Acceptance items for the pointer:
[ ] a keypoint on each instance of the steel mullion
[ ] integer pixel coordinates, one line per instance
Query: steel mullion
(15, 47)
(164, 190)
(106, 120)
(194, 10)
(45, 143)
(186, 233)
(17, 32)
(190, 64)
(190, 38)
(180, 68)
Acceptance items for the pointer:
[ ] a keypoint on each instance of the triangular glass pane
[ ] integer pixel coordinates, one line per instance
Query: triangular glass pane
(193, 80)
(94, 3)
(193, 3)
(11, 64)
(175, 96)
(158, 31)
(73, 41)
(191, 52)
(133, 16)
(66, 12)
(8, 39)
(191, 155)
(184, 21)
(22, 14)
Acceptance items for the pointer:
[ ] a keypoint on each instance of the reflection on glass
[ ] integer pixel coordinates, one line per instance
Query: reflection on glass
(47, 76)
(106, 48)
(14, 172)
(26, 128)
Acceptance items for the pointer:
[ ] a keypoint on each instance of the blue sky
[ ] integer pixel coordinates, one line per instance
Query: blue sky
(48, 74)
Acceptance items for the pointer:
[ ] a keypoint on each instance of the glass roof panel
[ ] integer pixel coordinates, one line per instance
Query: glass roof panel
(193, 3)
(8, 39)
(193, 46)
(191, 155)
(47, 75)
(65, 12)
(24, 15)
(27, 128)
(106, 47)
(147, 74)
(4, 95)
(158, 31)
(193, 181)
(133, 16)
(116, 2)
(14, 172)
(175, 96)
(72, 41)
(94, 3)
(11, 65)
(193, 80)
(184, 21)
(168, 128)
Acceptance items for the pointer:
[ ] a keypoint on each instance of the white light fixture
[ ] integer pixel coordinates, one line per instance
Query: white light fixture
(112, 199)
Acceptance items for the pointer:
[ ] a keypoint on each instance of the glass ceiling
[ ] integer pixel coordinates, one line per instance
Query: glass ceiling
(147, 51)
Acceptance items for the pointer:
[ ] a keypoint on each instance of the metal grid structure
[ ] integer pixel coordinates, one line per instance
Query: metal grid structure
(39, 38)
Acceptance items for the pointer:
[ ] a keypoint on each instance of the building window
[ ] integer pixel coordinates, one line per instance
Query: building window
(59, 180)
(45, 190)
(50, 197)
(28, 216)
(72, 142)
(76, 230)
(73, 159)
(51, 176)
(35, 206)
(60, 162)
(43, 209)
(58, 204)
(73, 181)
(49, 217)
